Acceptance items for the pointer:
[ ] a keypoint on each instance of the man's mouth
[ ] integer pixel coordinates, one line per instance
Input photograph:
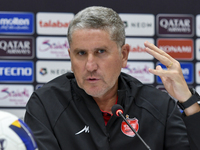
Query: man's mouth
(92, 79)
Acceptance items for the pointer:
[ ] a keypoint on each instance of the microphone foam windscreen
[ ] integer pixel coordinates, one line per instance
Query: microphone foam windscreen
(116, 108)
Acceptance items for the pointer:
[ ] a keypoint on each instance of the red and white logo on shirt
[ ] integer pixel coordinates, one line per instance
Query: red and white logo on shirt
(126, 129)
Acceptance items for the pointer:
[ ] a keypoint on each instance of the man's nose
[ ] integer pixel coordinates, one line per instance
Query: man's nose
(91, 64)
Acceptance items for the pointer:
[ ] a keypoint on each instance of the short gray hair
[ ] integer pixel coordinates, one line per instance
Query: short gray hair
(97, 17)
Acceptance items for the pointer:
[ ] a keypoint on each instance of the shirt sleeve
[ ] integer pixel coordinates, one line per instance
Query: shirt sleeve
(176, 137)
(193, 129)
(37, 119)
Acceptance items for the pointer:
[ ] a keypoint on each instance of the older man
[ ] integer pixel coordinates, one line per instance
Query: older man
(73, 111)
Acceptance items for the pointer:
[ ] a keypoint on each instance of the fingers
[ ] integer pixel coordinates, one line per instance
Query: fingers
(156, 49)
(159, 54)
(165, 73)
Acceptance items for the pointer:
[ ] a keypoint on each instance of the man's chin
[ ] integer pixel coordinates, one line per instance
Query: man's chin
(95, 93)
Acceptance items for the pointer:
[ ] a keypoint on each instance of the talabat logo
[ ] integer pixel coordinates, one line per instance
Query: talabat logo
(16, 23)
(187, 70)
(52, 48)
(16, 71)
(53, 23)
(182, 49)
(138, 24)
(175, 25)
(15, 95)
(16, 47)
(137, 48)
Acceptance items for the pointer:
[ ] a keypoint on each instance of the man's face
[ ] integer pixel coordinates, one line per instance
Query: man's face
(96, 61)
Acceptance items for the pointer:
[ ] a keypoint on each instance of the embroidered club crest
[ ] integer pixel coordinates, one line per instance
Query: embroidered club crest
(126, 129)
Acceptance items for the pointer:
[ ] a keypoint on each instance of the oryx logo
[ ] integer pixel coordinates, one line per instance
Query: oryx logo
(2, 144)
(86, 129)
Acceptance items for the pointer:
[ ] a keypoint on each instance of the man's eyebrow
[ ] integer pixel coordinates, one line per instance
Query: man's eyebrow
(78, 49)
(97, 48)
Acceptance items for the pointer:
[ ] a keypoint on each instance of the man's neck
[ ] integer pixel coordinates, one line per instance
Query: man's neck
(106, 104)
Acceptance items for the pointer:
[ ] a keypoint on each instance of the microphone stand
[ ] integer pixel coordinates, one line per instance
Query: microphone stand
(134, 130)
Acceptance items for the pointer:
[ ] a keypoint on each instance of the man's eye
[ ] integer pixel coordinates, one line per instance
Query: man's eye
(101, 51)
(81, 53)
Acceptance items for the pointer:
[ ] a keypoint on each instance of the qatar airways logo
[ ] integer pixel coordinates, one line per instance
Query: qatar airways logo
(137, 48)
(53, 23)
(139, 70)
(175, 25)
(52, 48)
(16, 47)
(16, 23)
(15, 95)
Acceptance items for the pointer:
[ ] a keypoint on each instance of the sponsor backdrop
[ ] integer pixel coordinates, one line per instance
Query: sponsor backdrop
(33, 42)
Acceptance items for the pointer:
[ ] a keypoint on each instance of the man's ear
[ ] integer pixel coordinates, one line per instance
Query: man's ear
(69, 51)
(70, 58)
(125, 51)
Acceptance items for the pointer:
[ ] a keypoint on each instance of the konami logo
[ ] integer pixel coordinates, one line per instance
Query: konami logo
(53, 23)
(182, 49)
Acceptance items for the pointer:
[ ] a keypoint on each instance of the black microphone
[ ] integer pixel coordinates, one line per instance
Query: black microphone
(118, 111)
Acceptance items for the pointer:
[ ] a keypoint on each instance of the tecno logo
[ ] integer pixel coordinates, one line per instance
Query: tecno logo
(53, 23)
(175, 25)
(138, 24)
(182, 49)
(16, 71)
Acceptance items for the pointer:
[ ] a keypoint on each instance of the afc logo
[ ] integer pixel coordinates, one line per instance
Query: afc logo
(2, 144)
